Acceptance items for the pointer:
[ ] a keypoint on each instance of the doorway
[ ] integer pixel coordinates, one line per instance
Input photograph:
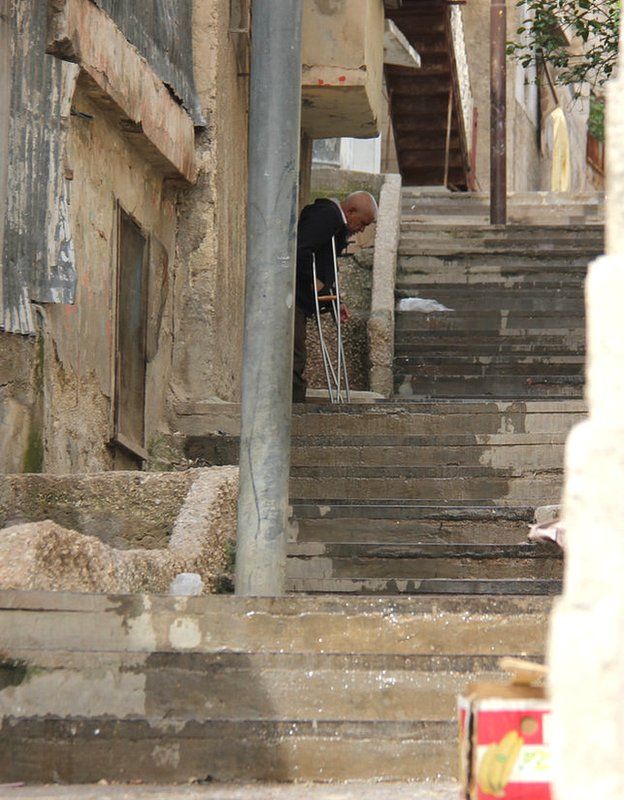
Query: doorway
(130, 347)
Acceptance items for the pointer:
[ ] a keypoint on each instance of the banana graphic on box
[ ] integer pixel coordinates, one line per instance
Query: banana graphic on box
(497, 764)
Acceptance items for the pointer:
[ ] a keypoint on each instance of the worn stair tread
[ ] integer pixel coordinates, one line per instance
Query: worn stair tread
(377, 550)
(425, 586)
(255, 686)
(429, 471)
(127, 750)
(451, 508)
(406, 531)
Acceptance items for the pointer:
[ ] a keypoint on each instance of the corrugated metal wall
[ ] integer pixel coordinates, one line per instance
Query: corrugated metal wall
(37, 256)
(34, 177)
(161, 30)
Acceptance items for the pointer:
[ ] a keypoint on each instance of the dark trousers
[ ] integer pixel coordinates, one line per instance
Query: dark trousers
(299, 383)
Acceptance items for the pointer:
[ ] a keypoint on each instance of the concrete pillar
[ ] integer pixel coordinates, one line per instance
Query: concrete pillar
(586, 650)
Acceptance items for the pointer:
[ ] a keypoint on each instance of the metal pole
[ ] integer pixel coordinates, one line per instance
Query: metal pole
(498, 107)
(274, 131)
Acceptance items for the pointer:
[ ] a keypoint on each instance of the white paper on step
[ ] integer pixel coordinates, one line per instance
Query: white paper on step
(422, 304)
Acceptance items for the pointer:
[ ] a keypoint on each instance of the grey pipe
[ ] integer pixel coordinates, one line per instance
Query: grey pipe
(274, 135)
(498, 112)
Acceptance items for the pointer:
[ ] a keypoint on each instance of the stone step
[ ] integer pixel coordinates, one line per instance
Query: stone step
(416, 246)
(52, 621)
(434, 417)
(521, 234)
(465, 302)
(507, 323)
(488, 489)
(242, 686)
(157, 688)
(390, 511)
(401, 471)
(409, 561)
(415, 274)
(426, 586)
(433, 365)
(510, 339)
(500, 450)
(522, 285)
(406, 347)
(75, 750)
(544, 203)
(437, 215)
(524, 387)
(469, 281)
(493, 263)
(504, 282)
(435, 529)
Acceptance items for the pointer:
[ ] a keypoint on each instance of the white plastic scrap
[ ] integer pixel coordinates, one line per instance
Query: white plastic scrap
(186, 583)
(422, 304)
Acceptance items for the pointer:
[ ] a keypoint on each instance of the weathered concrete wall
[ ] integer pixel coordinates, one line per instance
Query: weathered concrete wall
(121, 509)
(164, 39)
(210, 262)
(78, 31)
(79, 339)
(586, 650)
(198, 511)
(342, 57)
(21, 424)
(381, 322)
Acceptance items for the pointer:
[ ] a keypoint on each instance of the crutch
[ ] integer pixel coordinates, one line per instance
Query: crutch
(333, 375)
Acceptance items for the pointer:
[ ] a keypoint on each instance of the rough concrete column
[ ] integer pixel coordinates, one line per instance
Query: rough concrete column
(381, 322)
(586, 650)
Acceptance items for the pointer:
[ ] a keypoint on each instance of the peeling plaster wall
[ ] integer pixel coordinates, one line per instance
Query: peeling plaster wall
(161, 33)
(210, 260)
(21, 431)
(79, 338)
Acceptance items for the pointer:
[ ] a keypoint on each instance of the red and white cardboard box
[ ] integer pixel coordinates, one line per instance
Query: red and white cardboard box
(504, 743)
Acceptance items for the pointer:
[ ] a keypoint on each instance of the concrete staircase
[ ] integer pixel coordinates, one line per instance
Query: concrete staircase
(432, 493)
(162, 689)
(429, 497)
(409, 571)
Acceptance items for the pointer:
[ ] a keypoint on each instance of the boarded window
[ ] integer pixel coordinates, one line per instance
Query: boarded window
(130, 353)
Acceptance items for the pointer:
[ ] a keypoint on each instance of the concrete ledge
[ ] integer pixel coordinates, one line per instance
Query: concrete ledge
(122, 79)
(381, 322)
(43, 555)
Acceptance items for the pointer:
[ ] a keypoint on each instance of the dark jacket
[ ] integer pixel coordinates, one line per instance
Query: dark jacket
(318, 223)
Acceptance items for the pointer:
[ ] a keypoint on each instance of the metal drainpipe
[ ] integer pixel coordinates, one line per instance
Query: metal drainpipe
(274, 131)
(498, 110)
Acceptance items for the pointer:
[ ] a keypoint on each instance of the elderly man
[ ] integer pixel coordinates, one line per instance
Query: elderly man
(319, 223)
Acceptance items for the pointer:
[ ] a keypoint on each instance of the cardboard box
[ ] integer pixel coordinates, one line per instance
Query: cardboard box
(504, 734)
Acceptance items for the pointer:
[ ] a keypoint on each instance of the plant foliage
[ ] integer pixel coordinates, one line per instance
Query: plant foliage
(550, 28)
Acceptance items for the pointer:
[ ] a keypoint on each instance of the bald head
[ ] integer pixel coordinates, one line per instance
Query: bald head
(360, 209)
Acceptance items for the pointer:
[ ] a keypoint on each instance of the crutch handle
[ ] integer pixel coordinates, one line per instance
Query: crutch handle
(327, 298)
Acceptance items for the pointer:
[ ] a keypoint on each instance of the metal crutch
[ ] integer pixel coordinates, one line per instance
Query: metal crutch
(333, 376)
(324, 351)
(341, 355)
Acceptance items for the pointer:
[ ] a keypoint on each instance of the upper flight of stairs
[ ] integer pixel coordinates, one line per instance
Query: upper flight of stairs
(419, 99)
(516, 328)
